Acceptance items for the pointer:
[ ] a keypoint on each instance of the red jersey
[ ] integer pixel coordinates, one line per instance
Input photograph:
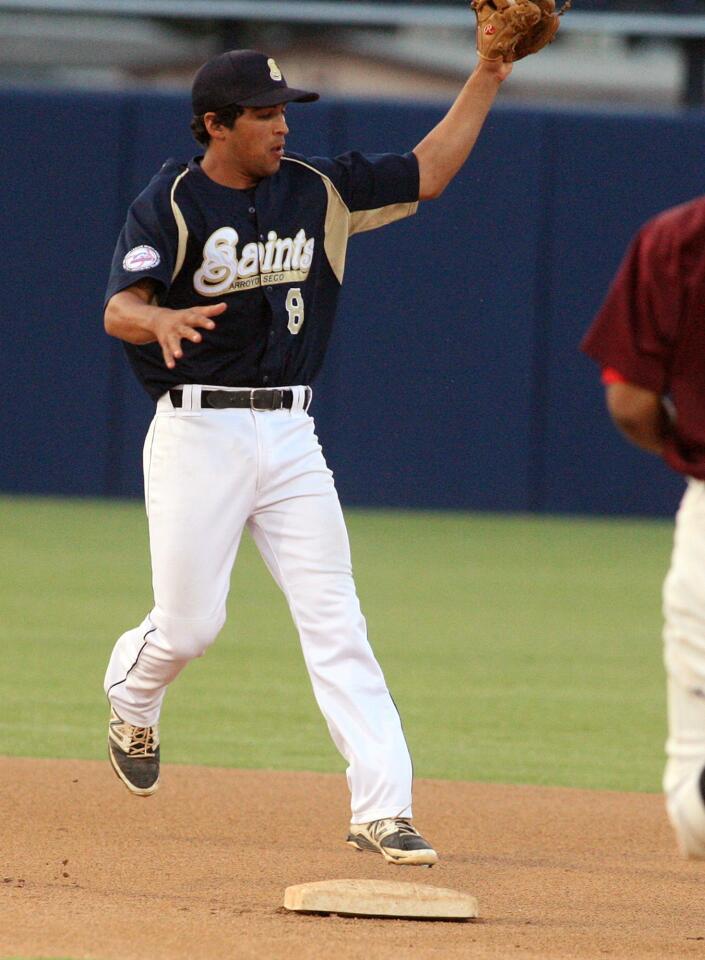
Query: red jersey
(651, 328)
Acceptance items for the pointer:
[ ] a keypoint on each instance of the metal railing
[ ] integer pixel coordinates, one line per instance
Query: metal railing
(361, 12)
(364, 12)
(687, 30)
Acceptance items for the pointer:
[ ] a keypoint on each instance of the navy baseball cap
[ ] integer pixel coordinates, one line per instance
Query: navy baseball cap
(244, 78)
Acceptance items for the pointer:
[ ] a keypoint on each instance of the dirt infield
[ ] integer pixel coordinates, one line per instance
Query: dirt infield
(199, 870)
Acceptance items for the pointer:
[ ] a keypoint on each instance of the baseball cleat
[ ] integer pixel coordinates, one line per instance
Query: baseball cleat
(395, 838)
(134, 755)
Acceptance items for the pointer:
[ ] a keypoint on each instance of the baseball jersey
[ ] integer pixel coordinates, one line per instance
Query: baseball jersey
(651, 328)
(275, 254)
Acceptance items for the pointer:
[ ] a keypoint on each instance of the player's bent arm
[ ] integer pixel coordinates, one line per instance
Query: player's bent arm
(640, 415)
(131, 316)
(445, 149)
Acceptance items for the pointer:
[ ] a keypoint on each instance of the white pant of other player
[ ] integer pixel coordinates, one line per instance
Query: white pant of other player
(208, 474)
(684, 637)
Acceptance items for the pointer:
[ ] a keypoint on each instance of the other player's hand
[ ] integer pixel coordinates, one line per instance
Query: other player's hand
(173, 326)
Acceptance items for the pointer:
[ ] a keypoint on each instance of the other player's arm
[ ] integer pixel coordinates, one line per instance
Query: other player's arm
(444, 150)
(644, 417)
(130, 315)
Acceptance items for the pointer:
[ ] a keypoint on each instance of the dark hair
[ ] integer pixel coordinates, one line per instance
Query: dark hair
(225, 116)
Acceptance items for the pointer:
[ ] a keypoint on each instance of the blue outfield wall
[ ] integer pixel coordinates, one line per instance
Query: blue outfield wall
(453, 378)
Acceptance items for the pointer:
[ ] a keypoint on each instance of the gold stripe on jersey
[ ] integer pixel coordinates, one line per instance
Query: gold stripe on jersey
(363, 220)
(337, 225)
(336, 230)
(181, 227)
(341, 223)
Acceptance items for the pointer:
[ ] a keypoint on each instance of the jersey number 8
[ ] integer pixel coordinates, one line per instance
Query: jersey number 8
(295, 309)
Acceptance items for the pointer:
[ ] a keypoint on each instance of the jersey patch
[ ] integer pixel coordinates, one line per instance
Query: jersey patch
(141, 258)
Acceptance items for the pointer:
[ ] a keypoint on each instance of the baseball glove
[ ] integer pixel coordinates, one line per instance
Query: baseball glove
(509, 30)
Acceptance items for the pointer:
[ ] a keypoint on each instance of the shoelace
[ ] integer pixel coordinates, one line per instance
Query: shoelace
(141, 741)
(382, 828)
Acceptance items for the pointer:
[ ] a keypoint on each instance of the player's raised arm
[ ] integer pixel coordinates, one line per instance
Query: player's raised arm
(130, 316)
(444, 150)
(507, 31)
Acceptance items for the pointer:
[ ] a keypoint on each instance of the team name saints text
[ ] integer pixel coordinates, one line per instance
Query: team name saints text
(279, 260)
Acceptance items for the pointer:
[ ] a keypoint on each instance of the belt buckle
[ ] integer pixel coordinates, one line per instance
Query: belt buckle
(274, 399)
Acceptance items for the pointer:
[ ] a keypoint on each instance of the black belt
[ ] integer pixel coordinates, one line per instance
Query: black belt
(259, 398)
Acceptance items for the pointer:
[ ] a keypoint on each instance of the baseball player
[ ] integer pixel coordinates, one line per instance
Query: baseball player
(649, 339)
(223, 288)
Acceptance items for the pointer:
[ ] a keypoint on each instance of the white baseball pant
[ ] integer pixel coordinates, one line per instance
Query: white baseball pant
(208, 474)
(684, 655)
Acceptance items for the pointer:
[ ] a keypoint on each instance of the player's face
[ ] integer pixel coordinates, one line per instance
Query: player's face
(255, 145)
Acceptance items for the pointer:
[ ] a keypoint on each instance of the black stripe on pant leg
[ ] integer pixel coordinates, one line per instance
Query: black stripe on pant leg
(134, 664)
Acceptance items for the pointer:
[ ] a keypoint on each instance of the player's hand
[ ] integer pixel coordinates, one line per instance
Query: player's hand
(173, 326)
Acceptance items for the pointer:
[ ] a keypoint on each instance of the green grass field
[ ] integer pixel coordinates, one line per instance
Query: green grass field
(518, 649)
